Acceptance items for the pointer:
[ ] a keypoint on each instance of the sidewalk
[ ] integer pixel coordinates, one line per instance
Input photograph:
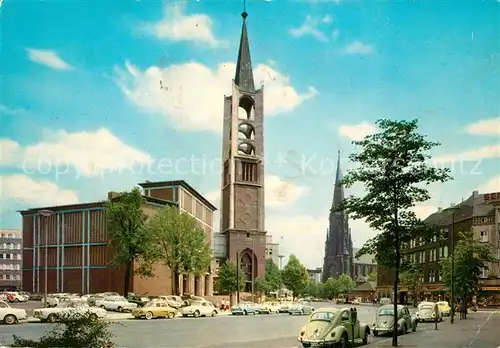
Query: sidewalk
(478, 330)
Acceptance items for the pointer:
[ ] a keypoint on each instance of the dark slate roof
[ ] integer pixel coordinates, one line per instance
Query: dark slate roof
(367, 286)
(243, 78)
(463, 211)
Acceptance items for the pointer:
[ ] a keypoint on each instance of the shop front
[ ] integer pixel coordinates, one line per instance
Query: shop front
(489, 296)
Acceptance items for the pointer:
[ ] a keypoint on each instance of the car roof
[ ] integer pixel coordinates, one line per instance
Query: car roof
(391, 306)
(332, 310)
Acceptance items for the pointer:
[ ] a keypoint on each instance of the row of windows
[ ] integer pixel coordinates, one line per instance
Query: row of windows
(484, 236)
(7, 235)
(10, 256)
(10, 277)
(432, 255)
(10, 266)
(12, 246)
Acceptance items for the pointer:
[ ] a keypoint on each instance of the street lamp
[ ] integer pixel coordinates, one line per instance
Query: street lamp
(46, 213)
(453, 209)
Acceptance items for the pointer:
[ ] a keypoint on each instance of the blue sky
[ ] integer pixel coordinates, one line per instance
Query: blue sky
(83, 111)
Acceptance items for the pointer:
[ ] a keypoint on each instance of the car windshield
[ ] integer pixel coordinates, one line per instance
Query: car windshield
(386, 311)
(426, 306)
(442, 304)
(323, 316)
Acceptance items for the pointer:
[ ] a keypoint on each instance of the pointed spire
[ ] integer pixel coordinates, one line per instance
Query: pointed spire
(338, 193)
(243, 77)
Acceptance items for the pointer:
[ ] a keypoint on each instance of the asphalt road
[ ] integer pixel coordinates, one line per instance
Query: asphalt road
(246, 331)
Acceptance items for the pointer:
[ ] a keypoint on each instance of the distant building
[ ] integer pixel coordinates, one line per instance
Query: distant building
(74, 241)
(315, 274)
(10, 259)
(364, 265)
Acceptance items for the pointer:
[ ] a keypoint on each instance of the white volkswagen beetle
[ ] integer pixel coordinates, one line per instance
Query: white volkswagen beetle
(199, 309)
(68, 308)
(11, 315)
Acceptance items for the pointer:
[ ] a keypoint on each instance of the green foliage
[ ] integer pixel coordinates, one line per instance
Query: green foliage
(470, 256)
(72, 330)
(229, 279)
(130, 239)
(392, 166)
(180, 242)
(330, 288)
(346, 284)
(372, 277)
(262, 286)
(294, 276)
(273, 276)
(313, 289)
(412, 278)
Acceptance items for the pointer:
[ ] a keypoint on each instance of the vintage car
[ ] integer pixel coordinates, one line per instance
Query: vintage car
(384, 320)
(332, 327)
(67, 308)
(244, 308)
(285, 307)
(155, 309)
(10, 315)
(269, 307)
(116, 303)
(199, 309)
(444, 307)
(301, 307)
(426, 311)
(173, 301)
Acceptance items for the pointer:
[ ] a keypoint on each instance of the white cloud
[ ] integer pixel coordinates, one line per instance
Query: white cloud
(311, 27)
(30, 192)
(191, 94)
(48, 58)
(357, 131)
(90, 153)
(485, 127)
(492, 185)
(485, 152)
(357, 47)
(176, 25)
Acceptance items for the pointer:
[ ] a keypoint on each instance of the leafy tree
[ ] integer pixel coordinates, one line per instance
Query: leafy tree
(295, 276)
(372, 277)
(273, 276)
(346, 284)
(72, 330)
(470, 257)
(230, 281)
(313, 289)
(412, 278)
(262, 286)
(129, 237)
(181, 243)
(392, 166)
(331, 288)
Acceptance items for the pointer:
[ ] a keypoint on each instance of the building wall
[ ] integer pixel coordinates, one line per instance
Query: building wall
(363, 269)
(10, 259)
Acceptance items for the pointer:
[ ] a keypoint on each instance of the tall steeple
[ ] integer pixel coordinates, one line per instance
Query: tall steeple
(338, 192)
(243, 77)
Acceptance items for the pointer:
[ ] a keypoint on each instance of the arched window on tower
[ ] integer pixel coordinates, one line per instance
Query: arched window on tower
(246, 108)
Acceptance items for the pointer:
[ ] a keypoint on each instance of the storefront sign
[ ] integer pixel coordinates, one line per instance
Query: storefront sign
(491, 288)
(492, 197)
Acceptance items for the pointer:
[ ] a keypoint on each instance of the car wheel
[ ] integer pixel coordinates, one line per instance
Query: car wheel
(119, 309)
(185, 315)
(214, 313)
(414, 327)
(375, 333)
(404, 330)
(365, 337)
(10, 319)
(52, 318)
(290, 313)
(170, 315)
(196, 314)
(245, 313)
(102, 307)
(93, 316)
(148, 316)
(344, 342)
(302, 312)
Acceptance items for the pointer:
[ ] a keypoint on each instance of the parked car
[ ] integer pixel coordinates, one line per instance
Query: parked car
(301, 308)
(9, 315)
(199, 309)
(16, 297)
(269, 307)
(172, 300)
(116, 303)
(384, 320)
(285, 306)
(140, 301)
(68, 308)
(426, 311)
(444, 307)
(155, 309)
(244, 308)
(329, 327)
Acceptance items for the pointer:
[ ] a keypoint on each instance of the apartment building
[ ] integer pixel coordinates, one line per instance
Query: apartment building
(10, 259)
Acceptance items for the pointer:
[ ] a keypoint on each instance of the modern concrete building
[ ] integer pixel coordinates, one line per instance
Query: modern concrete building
(338, 258)
(73, 243)
(242, 181)
(315, 274)
(10, 259)
(272, 250)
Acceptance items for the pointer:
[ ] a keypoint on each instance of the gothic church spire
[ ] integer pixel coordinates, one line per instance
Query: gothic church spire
(338, 192)
(243, 77)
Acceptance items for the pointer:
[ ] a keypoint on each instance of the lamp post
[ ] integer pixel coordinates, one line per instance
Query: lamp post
(46, 213)
(253, 267)
(452, 299)
(237, 277)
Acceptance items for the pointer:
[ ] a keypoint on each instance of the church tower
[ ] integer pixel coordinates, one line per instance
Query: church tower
(242, 196)
(338, 246)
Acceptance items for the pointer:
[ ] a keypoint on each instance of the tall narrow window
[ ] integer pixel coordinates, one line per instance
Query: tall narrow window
(249, 172)
(227, 175)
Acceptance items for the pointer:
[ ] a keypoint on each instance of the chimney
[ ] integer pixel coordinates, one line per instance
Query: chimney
(440, 209)
(113, 195)
(475, 194)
